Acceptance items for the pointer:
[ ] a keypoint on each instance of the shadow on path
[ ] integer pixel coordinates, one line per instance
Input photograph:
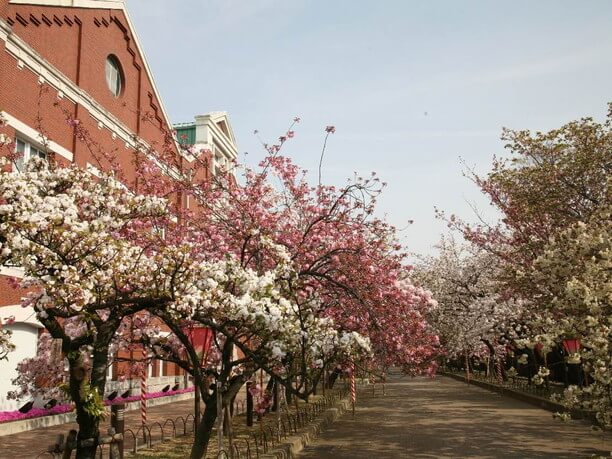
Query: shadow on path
(433, 418)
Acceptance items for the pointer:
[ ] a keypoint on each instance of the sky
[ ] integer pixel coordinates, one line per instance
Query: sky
(417, 90)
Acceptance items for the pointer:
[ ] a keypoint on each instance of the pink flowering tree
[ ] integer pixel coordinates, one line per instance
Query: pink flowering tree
(349, 265)
(345, 269)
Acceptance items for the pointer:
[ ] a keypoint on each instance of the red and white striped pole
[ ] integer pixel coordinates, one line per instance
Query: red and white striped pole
(498, 368)
(353, 389)
(143, 387)
(500, 374)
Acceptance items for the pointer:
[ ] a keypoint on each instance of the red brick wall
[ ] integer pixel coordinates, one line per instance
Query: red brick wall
(77, 42)
(8, 294)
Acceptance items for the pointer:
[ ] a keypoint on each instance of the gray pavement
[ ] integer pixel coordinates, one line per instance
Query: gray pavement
(444, 418)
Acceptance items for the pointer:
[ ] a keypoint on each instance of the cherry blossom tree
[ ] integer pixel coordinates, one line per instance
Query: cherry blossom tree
(247, 311)
(348, 262)
(553, 192)
(550, 181)
(89, 258)
(299, 278)
(574, 276)
(472, 316)
(347, 268)
(6, 345)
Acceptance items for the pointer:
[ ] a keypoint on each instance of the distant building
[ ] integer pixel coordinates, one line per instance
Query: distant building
(212, 132)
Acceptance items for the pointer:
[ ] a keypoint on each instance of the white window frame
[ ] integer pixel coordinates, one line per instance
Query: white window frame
(28, 149)
(114, 76)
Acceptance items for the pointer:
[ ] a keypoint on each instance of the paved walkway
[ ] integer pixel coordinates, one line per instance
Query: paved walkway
(444, 418)
(29, 444)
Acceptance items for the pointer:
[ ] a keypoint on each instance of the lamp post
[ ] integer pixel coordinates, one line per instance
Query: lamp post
(571, 346)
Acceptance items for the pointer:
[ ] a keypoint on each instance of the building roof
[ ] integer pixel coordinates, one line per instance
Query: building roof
(101, 4)
(106, 5)
(219, 121)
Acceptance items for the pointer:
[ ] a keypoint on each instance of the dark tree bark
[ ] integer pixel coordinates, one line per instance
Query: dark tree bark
(202, 435)
(333, 377)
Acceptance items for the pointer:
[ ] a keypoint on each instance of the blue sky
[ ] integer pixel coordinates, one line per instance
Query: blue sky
(411, 86)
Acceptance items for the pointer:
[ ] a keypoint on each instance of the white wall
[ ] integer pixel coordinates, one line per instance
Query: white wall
(25, 338)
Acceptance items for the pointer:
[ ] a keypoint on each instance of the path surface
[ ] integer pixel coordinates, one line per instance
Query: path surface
(444, 418)
(29, 444)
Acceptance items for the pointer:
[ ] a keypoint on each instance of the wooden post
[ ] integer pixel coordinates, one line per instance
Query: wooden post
(228, 431)
(325, 376)
(249, 404)
(274, 395)
(219, 416)
(278, 406)
(384, 381)
(196, 406)
(70, 444)
(118, 423)
(288, 393)
(143, 388)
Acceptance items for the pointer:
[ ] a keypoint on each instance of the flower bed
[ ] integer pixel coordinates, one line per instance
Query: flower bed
(9, 416)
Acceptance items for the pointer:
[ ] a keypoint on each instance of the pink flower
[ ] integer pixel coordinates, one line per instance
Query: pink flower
(297, 119)
(290, 134)
(330, 129)
(10, 320)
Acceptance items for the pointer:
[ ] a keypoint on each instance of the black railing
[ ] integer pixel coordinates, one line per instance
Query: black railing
(270, 436)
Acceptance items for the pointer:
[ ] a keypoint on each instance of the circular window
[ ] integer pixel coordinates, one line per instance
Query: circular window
(114, 75)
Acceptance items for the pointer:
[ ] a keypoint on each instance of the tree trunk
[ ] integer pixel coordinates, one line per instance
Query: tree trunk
(333, 376)
(270, 389)
(202, 435)
(209, 418)
(492, 357)
(87, 437)
(288, 394)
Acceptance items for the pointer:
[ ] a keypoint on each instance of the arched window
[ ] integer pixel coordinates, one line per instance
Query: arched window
(114, 75)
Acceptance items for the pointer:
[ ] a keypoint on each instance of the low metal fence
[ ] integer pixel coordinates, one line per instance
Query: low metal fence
(270, 436)
(517, 383)
(290, 423)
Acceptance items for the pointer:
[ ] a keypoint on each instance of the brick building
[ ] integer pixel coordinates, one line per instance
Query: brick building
(82, 59)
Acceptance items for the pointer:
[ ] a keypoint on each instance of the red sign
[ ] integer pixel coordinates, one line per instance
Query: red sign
(201, 339)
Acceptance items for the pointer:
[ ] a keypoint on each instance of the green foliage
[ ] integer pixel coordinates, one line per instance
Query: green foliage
(93, 404)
